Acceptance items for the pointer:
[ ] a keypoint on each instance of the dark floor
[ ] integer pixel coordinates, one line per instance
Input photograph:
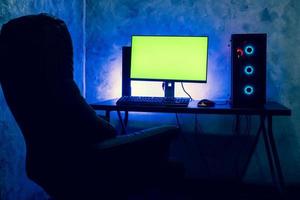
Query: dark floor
(199, 189)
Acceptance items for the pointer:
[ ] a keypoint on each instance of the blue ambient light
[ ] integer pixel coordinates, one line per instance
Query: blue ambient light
(249, 70)
(249, 50)
(248, 90)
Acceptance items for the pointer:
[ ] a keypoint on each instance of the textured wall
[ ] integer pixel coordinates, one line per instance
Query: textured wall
(13, 181)
(110, 24)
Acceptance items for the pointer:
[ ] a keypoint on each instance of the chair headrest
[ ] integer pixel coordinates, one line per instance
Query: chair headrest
(36, 47)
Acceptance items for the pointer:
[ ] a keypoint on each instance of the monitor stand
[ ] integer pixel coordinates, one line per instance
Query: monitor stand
(169, 88)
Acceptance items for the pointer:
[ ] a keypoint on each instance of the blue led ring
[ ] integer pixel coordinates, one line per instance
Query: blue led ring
(248, 90)
(249, 50)
(249, 70)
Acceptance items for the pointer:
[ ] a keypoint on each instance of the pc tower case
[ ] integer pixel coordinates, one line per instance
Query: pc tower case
(248, 60)
(126, 82)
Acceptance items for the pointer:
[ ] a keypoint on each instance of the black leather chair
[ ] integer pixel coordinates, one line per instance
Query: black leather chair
(71, 153)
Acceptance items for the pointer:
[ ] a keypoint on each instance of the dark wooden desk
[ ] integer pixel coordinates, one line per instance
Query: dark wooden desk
(271, 108)
(265, 113)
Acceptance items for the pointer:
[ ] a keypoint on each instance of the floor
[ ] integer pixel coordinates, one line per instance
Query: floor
(199, 189)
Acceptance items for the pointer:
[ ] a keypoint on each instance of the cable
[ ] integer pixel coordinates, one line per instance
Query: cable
(237, 129)
(177, 121)
(246, 132)
(198, 145)
(163, 86)
(249, 125)
(196, 124)
(185, 140)
(197, 129)
(186, 92)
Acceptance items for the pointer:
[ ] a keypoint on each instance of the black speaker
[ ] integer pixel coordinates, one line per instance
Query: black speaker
(248, 60)
(126, 60)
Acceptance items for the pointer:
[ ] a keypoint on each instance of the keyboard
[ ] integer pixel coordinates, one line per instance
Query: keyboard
(153, 101)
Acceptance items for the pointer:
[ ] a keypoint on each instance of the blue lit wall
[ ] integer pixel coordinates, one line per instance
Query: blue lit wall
(109, 25)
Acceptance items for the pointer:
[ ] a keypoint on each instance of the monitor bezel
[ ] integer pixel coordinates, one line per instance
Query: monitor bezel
(174, 80)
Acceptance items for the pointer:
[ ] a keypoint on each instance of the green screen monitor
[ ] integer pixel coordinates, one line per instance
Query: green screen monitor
(169, 58)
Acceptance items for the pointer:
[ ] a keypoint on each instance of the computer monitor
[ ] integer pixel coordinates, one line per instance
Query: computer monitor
(169, 59)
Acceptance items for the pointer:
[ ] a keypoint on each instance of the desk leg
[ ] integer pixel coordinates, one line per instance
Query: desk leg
(268, 150)
(123, 131)
(275, 155)
(273, 158)
(271, 151)
(253, 148)
(126, 118)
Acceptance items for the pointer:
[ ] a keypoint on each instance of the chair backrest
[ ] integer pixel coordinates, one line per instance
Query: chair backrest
(36, 75)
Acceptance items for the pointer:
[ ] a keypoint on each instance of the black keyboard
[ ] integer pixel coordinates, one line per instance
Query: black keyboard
(153, 101)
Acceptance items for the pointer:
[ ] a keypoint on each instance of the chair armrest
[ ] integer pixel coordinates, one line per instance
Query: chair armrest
(159, 133)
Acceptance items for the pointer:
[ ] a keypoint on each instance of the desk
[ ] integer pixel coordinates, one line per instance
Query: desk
(265, 113)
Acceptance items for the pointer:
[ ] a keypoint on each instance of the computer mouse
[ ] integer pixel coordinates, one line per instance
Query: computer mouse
(206, 103)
